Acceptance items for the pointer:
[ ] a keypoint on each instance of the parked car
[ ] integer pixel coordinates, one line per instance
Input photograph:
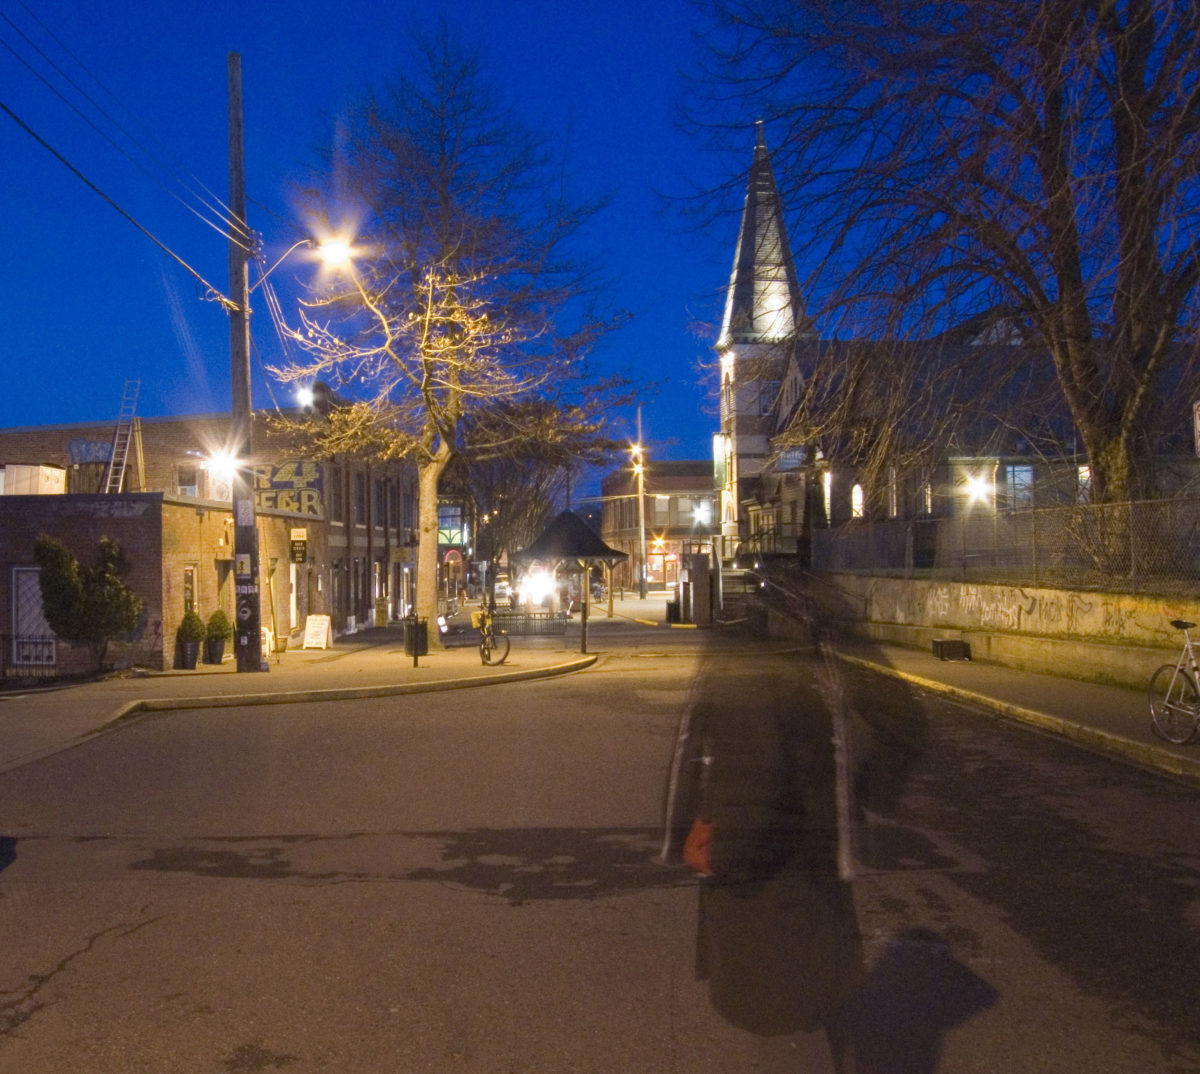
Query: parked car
(503, 588)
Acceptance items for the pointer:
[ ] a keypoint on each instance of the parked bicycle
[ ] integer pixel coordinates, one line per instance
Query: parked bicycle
(493, 644)
(1175, 693)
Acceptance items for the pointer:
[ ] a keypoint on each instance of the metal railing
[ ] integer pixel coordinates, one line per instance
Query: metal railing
(25, 656)
(1147, 546)
(530, 623)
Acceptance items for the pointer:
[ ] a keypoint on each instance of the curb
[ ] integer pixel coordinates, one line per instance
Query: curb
(1139, 753)
(346, 693)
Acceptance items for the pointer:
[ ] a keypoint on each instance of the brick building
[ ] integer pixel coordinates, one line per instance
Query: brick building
(680, 515)
(337, 536)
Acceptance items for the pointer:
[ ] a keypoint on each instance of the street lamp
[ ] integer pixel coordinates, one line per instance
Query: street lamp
(639, 468)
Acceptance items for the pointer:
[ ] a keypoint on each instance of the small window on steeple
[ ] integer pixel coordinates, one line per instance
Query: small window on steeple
(767, 396)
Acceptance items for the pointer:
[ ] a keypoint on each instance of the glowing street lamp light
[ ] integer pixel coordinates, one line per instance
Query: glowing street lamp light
(639, 468)
(336, 253)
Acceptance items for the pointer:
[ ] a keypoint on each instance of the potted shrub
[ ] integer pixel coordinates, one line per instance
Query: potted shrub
(189, 636)
(219, 630)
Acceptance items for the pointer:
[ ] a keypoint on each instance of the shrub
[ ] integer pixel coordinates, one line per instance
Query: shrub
(191, 628)
(219, 626)
(88, 604)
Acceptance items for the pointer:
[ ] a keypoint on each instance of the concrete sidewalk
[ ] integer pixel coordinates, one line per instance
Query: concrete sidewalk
(1109, 719)
(37, 722)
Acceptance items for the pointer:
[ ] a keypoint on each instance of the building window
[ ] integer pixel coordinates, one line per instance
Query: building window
(337, 504)
(827, 494)
(856, 502)
(450, 524)
(33, 641)
(187, 481)
(1019, 478)
(767, 395)
(893, 493)
(360, 498)
(1084, 489)
(189, 588)
(662, 510)
(927, 497)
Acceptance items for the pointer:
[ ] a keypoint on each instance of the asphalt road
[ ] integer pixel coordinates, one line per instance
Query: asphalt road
(471, 882)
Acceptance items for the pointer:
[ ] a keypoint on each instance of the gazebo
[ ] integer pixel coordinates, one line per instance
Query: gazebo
(569, 542)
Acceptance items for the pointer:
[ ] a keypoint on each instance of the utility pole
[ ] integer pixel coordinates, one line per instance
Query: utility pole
(640, 470)
(247, 630)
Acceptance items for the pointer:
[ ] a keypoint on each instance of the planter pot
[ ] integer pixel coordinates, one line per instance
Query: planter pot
(214, 650)
(188, 652)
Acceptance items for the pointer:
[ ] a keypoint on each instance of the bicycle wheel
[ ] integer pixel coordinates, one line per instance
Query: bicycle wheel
(1174, 704)
(494, 648)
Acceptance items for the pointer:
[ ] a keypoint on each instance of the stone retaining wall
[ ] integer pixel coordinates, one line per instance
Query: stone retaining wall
(1103, 637)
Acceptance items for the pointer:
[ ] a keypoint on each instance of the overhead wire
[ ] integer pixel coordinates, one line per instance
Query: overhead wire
(215, 213)
(211, 291)
(228, 225)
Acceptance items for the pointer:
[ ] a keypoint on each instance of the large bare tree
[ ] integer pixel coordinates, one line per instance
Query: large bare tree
(1030, 166)
(460, 300)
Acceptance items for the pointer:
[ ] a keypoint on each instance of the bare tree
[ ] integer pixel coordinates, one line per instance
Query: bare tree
(461, 301)
(1029, 166)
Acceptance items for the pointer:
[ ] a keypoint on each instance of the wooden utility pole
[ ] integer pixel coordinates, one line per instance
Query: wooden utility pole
(247, 630)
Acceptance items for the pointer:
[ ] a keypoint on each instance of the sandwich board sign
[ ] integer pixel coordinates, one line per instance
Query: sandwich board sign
(318, 634)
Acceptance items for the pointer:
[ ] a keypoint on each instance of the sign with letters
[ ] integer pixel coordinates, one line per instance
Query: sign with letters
(318, 633)
(295, 487)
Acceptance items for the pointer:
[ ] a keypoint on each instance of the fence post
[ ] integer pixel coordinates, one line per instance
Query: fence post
(1037, 581)
(1133, 582)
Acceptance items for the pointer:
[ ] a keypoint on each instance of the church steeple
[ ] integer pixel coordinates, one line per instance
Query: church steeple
(763, 304)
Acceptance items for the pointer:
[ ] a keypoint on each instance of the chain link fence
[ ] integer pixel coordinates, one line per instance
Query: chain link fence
(1148, 546)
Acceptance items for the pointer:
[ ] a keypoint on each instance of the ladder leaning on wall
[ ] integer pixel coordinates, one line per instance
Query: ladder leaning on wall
(121, 438)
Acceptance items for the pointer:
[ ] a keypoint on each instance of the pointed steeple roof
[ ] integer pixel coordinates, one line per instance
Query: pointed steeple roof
(763, 302)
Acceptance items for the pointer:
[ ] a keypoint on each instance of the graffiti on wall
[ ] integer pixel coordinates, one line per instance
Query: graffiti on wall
(85, 451)
(295, 487)
(1042, 612)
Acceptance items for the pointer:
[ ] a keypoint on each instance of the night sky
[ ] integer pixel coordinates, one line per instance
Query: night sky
(89, 301)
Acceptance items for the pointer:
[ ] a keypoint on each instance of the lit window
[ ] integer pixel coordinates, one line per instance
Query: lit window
(1020, 485)
(856, 502)
(928, 497)
(827, 490)
(1085, 484)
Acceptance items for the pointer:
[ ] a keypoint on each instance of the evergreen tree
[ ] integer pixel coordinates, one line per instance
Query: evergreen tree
(86, 604)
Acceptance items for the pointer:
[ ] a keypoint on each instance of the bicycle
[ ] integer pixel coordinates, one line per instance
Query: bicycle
(1175, 693)
(493, 644)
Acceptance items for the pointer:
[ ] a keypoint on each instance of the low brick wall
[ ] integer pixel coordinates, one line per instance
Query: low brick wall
(1101, 637)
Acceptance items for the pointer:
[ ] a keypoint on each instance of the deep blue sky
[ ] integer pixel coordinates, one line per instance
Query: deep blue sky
(89, 301)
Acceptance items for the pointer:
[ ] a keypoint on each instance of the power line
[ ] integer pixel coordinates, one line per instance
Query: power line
(227, 225)
(211, 292)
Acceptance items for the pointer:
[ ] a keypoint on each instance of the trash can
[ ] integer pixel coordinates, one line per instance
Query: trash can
(672, 611)
(416, 636)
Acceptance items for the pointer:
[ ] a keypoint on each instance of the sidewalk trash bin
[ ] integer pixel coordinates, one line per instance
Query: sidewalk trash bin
(416, 636)
(672, 611)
